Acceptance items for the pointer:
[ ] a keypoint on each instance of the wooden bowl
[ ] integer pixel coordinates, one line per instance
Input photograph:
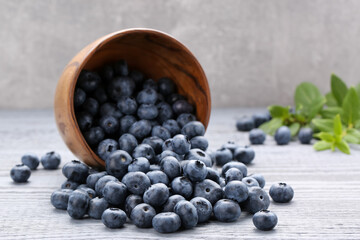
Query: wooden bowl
(155, 53)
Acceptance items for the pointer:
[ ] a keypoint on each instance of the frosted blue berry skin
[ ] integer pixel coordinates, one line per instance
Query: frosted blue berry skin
(244, 154)
(30, 160)
(20, 173)
(187, 213)
(101, 182)
(106, 147)
(96, 207)
(250, 182)
(78, 204)
(59, 198)
(209, 190)
(257, 136)
(242, 167)
(193, 129)
(158, 176)
(182, 186)
(245, 124)
(140, 164)
(136, 182)
(237, 191)
(203, 207)
(265, 220)
(259, 178)
(76, 171)
(142, 215)
(51, 160)
(260, 118)
(128, 143)
(233, 174)
(181, 144)
(93, 178)
(68, 184)
(115, 193)
(171, 167)
(130, 202)
(144, 150)
(166, 222)
(117, 163)
(226, 210)
(198, 154)
(195, 170)
(281, 192)
(282, 135)
(223, 156)
(171, 202)
(257, 200)
(156, 195)
(113, 218)
(199, 142)
(305, 135)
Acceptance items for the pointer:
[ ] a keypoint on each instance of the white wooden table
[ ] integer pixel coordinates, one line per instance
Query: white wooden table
(326, 203)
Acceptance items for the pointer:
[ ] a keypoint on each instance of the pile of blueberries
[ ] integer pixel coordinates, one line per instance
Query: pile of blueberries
(282, 135)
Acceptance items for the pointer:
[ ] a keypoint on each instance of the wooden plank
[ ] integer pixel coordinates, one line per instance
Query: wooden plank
(326, 202)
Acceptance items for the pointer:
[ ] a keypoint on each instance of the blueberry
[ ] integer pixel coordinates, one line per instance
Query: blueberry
(100, 95)
(180, 144)
(156, 195)
(140, 129)
(199, 142)
(237, 191)
(140, 164)
(88, 81)
(120, 87)
(76, 171)
(147, 111)
(121, 68)
(170, 166)
(79, 97)
(128, 143)
(260, 118)
(106, 147)
(94, 136)
(51, 160)
(91, 106)
(147, 96)
(78, 204)
(244, 154)
(172, 126)
(136, 182)
(161, 132)
(245, 124)
(171, 202)
(113, 218)
(144, 150)
(213, 174)
(96, 207)
(211, 154)
(203, 208)
(30, 160)
(130, 202)
(281, 192)
(155, 167)
(198, 154)
(185, 118)
(250, 182)
(237, 165)
(305, 135)
(172, 98)
(117, 163)
(68, 184)
(127, 105)
(107, 73)
(257, 200)
(89, 191)
(84, 120)
(223, 156)
(169, 153)
(100, 184)
(193, 129)
(208, 189)
(165, 112)
(166, 222)
(226, 210)
(187, 213)
(158, 176)
(155, 142)
(282, 135)
(137, 76)
(265, 220)
(222, 182)
(233, 174)
(231, 146)
(182, 106)
(59, 198)
(109, 109)
(195, 170)
(183, 186)
(167, 145)
(257, 136)
(115, 193)
(126, 122)
(150, 84)
(259, 178)
(109, 124)
(142, 215)
(166, 86)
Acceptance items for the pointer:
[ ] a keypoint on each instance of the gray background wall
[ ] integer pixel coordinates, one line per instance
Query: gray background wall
(253, 52)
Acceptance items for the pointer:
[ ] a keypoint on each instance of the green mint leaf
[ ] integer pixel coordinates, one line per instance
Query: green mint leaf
(324, 125)
(294, 128)
(350, 107)
(330, 112)
(325, 136)
(357, 88)
(338, 88)
(337, 126)
(308, 99)
(277, 111)
(357, 124)
(343, 146)
(351, 139)
(331, 100)
(353, 132)
(322, 145)
(271, 126)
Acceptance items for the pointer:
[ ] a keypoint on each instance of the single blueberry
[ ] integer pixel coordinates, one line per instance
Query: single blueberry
(78, 204)
(237, 191)
(94, 136)
(155, 142)
(144, 150)
(245, 124)
(142, 215)
(109, 109)
(156, 195)
(193, 129)
(244, 154)
(260, 118)
(68, 184)
(265, 220)
(91, 106)
(203, 207)
(170, 166)
(127, 105)
(305, 135)
(231, 146)
(150, 84)
(233, 174)
(157, 176)
(140, 129)
(250, 182)
(51, 160)
(226, 210)
(120, 87)
(257, 200)
(88, 81)
(185, 118)
(213, 174)
(128, 143)
(113, 218)
(130, 202)
(242, 167)
(96, 207)
(166, 222)
(100, 184)
(89, 191)
(76, 171)
(182, 186)
(109, 124)
(136, 182)
(169, 153)
(147, 96)
(117, 163)
(223, 156)
(161, 132)
(126, 122)
(30, 160)
(137, 76)
(167, 145)
(281, 192)
(100, 95)
(121, 68)
(166, 86)
(147, 111)
(182, 106)
(171, 202)
(211, 154)
(165, 112)
(140, 164)
(282, 135)
(199, 142)
(172, 126)
(198, 154)
(187, 213)
(106, 147)
(79, 97)
(257, 136)
(84, 120)
(208, 189)
(195, 170)
(115, 193)
(259, 178)
(180, 144)
(59, 198)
